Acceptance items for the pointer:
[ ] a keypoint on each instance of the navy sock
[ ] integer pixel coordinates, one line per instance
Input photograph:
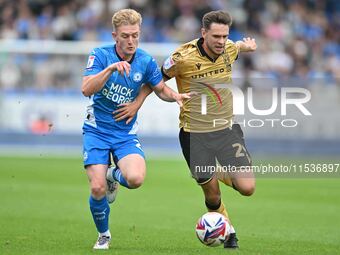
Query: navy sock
(100, 212)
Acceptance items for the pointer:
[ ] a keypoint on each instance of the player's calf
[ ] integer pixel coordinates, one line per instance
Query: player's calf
(135, 180)
(245, 186)
(246, 191)
(132, 180)
(132, 168)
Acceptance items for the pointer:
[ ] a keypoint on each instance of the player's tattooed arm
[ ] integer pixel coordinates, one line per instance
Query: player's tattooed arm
(93, 83)
(129, 110)
(248, 44)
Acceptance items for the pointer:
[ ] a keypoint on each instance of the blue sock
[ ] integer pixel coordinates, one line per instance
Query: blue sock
(100, 212)
(118, 176)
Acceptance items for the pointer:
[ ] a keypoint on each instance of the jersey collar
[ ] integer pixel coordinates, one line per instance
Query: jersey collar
(119, 57)
(202, 52)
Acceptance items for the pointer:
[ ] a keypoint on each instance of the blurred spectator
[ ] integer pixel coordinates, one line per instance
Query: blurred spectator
(296, 38)
(10, 76)
(41, 126)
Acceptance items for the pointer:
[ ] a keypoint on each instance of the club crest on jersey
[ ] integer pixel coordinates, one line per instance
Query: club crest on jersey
(90, 61)
(169, 62)
(137, 77)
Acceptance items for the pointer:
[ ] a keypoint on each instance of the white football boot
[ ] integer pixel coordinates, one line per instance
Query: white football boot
(103, 243)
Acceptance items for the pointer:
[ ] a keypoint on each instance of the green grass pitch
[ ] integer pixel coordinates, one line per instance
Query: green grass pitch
(44, 210)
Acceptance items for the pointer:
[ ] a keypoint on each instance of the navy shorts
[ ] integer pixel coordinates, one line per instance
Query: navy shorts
(202, 151)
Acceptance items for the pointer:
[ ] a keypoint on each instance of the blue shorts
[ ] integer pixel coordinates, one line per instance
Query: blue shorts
(98, 146)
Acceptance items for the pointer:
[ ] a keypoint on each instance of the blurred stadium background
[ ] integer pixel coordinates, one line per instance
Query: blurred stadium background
(44, 46)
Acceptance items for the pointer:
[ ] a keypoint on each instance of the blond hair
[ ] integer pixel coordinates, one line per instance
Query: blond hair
(126, 17)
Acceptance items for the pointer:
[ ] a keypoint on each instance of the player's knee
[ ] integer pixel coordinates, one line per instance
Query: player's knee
(247, 190)
(98, 190)
(135, 181)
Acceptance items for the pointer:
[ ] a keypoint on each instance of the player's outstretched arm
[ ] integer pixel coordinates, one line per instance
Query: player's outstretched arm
(167, 94)
(129, 110)
(93, 83)
(248, 44)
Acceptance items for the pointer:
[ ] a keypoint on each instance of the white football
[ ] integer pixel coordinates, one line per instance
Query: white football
(212, 229)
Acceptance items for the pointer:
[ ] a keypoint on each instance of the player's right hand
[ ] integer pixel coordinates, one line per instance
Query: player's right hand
(126, 111)
(121, 67)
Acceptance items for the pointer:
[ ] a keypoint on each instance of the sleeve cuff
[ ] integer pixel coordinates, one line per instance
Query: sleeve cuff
(164, 74)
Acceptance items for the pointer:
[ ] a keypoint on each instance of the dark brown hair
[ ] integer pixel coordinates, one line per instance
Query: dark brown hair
(219, 17)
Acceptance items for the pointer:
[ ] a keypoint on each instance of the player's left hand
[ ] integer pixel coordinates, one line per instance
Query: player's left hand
(250, 43)
(126, 111)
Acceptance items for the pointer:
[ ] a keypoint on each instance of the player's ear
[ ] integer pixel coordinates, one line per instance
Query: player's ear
(114, 35)
(203, 32)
